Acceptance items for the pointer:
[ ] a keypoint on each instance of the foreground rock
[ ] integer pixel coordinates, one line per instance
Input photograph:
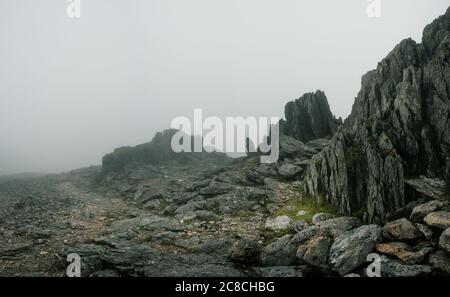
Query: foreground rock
(315, 252)
(338, 226)
(421, 211)
(402, 229)
(403, 252)
(393, 268)
(350, 250)
(128, 259)
(281, 252)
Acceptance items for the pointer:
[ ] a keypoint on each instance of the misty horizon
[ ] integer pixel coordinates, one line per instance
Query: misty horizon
(73, 90)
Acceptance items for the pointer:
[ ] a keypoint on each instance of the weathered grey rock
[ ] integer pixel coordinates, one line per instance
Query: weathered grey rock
(206, 215)
(350, 250)
(440, 260)
(319, 143)
(403, 252)
(305, 235)
(402, 229)
(444, 240)
(315, 252)
(289, 170)
(274, 195)
(393, 268)
(281, 252)
(309, 117)
(320, 217)
(403, 212)
(130, 259)
(38, 233)
(245, 250)
(279, 223)
(432, 188)
(157, 151)
(439, 219)
(215, 188)
(338, 226)
(420, 211)
(216, 246)
(267, 170)
(293, 148)
(426, 231)
(399, 126)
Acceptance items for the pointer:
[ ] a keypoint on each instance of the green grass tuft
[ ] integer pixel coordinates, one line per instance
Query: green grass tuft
(308, 204)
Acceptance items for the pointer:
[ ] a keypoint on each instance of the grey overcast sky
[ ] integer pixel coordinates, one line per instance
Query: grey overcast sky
(72, 90)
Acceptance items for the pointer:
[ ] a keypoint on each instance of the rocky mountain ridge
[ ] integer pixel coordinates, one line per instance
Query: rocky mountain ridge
(399, 129)
(373, 184)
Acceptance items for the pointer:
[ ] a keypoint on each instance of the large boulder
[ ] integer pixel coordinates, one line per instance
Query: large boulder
(281, 252)
(315, 252)
(350, 250)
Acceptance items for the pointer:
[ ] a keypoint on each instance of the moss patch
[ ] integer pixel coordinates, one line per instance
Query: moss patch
(308, 204)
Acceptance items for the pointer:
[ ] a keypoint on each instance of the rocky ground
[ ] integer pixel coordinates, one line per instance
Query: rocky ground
(222, 218)
(378, 182)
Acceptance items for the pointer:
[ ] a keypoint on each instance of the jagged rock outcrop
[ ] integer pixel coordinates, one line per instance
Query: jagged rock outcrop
(399, 127)
(309, 117)
(156, 151)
